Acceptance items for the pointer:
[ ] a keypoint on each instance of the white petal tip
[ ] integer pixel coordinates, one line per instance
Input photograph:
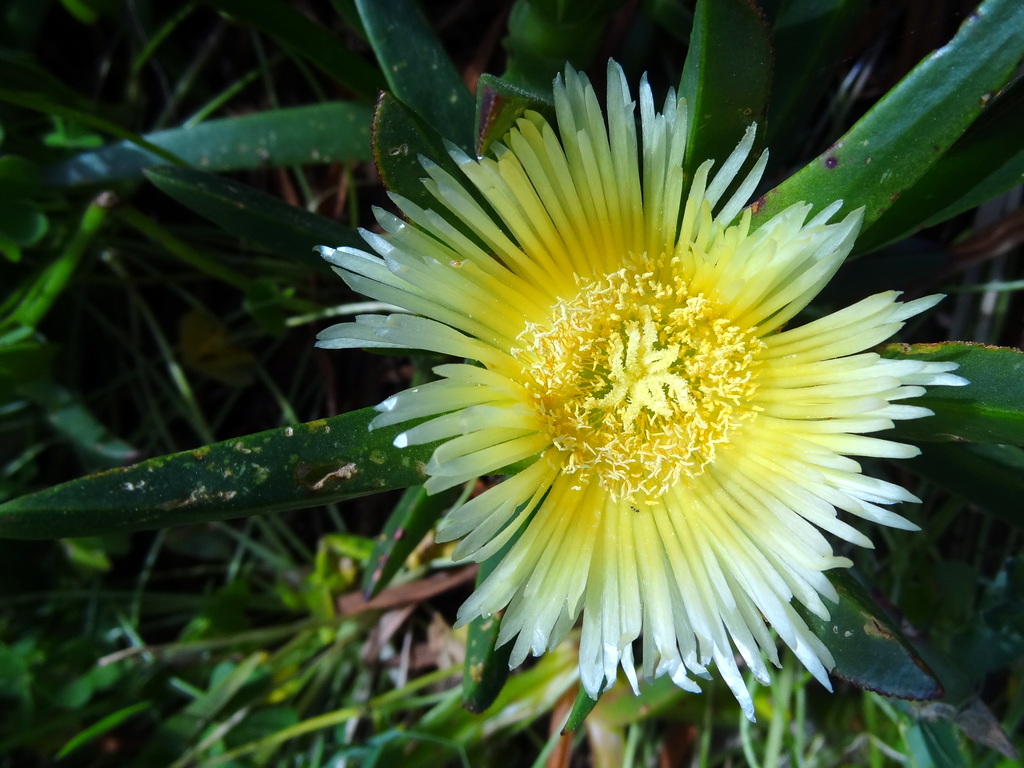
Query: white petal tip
(386, 406)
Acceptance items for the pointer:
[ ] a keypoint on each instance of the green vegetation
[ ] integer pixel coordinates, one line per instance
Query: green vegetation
(246, 596)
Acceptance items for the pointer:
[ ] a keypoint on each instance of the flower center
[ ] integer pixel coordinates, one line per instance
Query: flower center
(637, 381)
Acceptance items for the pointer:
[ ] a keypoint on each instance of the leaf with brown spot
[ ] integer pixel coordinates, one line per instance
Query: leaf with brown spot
(304, 465)
(869, 650)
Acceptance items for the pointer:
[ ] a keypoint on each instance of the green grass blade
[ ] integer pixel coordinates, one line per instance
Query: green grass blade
(892, 147)
(36, 298)
(305, 465)
(989, 410)
(105, 724)
(318, 133)
(417, 67)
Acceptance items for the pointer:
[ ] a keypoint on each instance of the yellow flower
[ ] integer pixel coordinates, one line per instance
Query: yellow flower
(687, 451)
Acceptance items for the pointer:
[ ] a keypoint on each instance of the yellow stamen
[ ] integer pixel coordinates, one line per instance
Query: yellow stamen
(637, 381)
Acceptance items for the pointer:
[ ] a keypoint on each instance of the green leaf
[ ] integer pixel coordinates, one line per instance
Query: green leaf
(417, 68)
(990, 476)
(726, 78)
(986, 161)
(307, 40)
(995, 636)
(253, 215)
(295, 467)
(400, 139)
(936, 743)
(413, 516)
(319, 133)
(486, 666)
(989, 410)
(70, 418)
(500, 104)
(22, 223)
(892, 147)
(485, 669)
(581, 707)
(869, 650)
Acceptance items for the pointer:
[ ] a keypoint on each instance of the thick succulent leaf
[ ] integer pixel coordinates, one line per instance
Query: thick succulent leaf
(892, 147)
(413, 516)
(990, 476)
(935, 743)
(581, 707)
(869, 650)
(401, 143)
(486, 669)
(987, 161)
(989, 410)
(319, 133)
(307, 40)
(400, 139)
(499, 104)
(417, 68)
(305, 465)
(726, 79)
(254, 216)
